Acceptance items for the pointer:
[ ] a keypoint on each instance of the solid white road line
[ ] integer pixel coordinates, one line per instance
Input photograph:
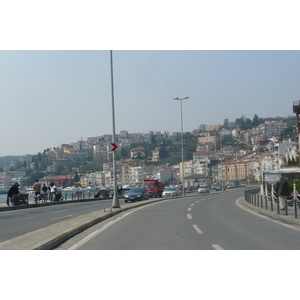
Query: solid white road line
(197, 229)
(217, 247)
(189, 216)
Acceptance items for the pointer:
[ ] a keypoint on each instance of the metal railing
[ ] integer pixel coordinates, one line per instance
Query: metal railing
(266, 199)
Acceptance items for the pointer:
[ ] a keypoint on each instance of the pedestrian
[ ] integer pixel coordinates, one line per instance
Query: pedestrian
(282, 191)
(45, 189)
(52, 191)
(13, 191)
(37, 188)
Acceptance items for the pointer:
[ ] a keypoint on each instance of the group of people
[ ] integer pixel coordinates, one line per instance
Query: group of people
(37, 188)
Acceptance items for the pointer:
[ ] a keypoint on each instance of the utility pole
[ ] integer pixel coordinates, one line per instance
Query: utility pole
(115, 203)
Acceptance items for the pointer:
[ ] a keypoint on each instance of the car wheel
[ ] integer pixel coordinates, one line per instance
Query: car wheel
(126, 201)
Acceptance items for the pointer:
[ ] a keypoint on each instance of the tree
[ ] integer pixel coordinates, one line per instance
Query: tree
(153, 139)
(76, 177)
(226, 124)
(255, 121)
(288, 132)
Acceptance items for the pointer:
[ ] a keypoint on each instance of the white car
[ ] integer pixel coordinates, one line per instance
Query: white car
(203, 189)
(171, 192)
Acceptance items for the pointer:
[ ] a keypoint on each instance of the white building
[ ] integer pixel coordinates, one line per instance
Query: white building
(137, 175)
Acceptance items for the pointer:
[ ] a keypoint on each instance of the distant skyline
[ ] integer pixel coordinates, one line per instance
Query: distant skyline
(55, 97)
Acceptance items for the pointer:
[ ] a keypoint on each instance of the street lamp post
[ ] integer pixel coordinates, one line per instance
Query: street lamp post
(115, 203)
(182, 161)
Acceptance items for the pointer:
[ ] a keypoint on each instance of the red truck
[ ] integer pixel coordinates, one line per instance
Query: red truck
(154, 187)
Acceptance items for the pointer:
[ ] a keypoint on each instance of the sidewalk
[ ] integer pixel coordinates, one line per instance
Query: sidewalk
(281, 217)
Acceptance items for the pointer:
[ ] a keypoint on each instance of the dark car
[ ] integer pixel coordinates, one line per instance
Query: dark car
(138, 194)
(219, 187)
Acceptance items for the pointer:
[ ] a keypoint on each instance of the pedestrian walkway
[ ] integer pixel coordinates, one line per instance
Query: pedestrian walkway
(288, 218)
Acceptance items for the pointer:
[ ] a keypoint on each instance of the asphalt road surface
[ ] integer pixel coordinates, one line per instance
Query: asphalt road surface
(14, 223)
(201, 222)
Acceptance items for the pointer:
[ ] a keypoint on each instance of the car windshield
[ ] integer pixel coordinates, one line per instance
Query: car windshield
(136, 190)
(168, 189)
(203, 186)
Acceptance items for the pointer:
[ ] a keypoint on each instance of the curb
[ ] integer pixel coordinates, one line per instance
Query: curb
(273, 215)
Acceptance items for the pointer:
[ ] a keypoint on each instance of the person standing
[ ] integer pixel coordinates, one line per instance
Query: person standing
(52, 191)
(45, 190)
(13, 191)
(37, 188)
(282, 191)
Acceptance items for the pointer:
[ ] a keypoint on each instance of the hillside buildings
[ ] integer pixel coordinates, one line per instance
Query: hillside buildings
(211, 161)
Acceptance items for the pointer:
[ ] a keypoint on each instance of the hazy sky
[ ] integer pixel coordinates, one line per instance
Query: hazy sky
(53, 97)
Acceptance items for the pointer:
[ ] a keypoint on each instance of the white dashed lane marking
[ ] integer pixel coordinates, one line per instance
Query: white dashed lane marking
(217, 247)
(197, 229)
(189, 216)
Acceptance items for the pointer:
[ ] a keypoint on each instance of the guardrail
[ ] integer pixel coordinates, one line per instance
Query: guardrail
(265, 199)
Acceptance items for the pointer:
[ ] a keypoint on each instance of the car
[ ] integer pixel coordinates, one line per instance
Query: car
(213, 186)
(203, 189)
(138, 194)
(219, 187)
(229, 186)
(171, 192)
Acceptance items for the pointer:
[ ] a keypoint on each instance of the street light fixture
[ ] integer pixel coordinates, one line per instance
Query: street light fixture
(182, 161)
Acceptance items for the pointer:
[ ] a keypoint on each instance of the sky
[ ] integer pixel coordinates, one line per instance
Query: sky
(55, 77)
(53, 97)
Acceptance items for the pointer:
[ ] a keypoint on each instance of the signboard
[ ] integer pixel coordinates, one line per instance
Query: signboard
(272, 178)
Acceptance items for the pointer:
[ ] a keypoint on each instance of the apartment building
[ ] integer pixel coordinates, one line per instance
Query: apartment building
(155, 155)
(233, 170)
(212, 127)
(204, 156)
(137, 175)
(206, 138)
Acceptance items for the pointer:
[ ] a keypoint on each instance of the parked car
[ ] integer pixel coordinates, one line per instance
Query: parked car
(229, 186)
(138, 194)
(203, 189)
(213, 186)
(219, 187)
(171, 192)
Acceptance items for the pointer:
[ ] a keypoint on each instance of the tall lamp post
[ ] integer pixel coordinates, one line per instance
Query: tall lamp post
(115, 203)
(182, 161)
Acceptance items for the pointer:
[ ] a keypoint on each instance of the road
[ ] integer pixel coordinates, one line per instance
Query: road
(18, 222)
(201, 222)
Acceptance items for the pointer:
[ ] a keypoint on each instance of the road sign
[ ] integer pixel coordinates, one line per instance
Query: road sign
(114, 146)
